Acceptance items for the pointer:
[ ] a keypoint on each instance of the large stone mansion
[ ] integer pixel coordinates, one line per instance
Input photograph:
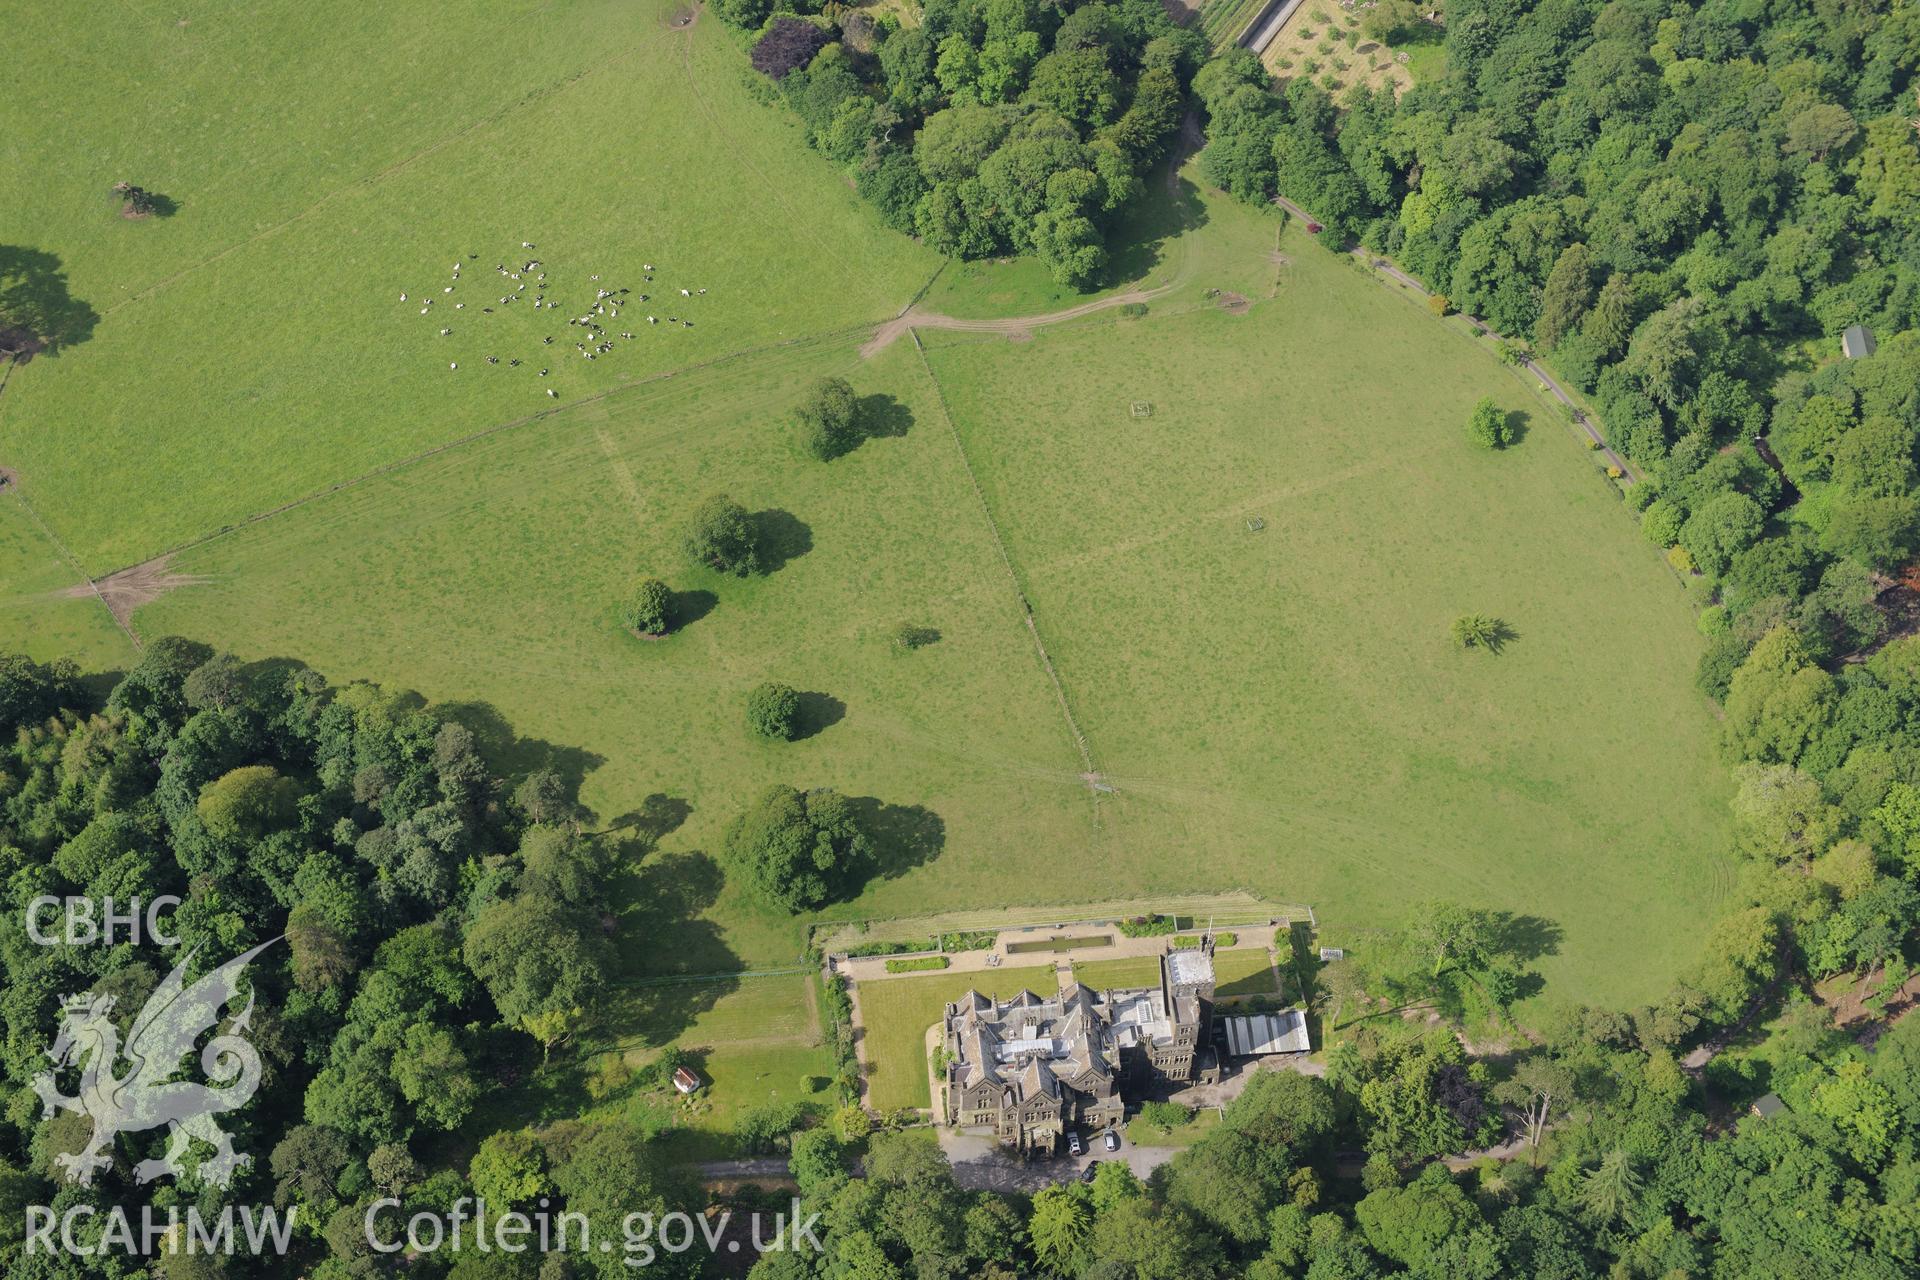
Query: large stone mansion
(1031, 1068)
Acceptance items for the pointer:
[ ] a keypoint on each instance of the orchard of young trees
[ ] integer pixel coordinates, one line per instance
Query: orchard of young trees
(444, 927)
(993, 126)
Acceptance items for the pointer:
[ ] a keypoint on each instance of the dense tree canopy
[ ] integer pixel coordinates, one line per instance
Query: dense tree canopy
(993, 126)
(1676, 205)
(427, 926)
(799, 849)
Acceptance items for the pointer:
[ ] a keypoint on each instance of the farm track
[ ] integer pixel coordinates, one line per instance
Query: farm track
(917, 317)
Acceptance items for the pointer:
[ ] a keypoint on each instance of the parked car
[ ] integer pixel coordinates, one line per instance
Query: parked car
(1073, 1144)
(1092, 1171)
(1113, 1140)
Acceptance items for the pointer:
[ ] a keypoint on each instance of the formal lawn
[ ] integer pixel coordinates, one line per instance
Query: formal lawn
(896, 1012)
(1131, 971)
(1237, 971)
(1142, 1134)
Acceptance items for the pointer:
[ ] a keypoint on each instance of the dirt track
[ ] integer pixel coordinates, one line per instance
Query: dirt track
(127, 590)
(1192, 137)
(920, 318)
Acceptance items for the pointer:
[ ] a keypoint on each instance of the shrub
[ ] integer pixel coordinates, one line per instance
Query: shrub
(852, 1122)
(647, 610)
(1147, 926)
(766, 1128)
(918, 964)
(1439, 304)
(1479, 631)
(889, 948)
(1488, 426)
(967, 941)
(911, 636)
(773, 711)
(1678, 556)
(719, 535)
(1165, 1115)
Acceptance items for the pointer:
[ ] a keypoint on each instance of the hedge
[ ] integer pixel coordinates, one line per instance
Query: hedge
(917, 964)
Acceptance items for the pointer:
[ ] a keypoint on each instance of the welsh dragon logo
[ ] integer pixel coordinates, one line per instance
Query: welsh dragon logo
(147, 1095)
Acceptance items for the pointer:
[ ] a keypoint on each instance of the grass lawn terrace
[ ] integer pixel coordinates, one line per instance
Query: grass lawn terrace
(896, 1012)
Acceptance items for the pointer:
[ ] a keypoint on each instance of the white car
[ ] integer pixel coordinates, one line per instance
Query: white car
(1074, 1146)
(1112, 1140)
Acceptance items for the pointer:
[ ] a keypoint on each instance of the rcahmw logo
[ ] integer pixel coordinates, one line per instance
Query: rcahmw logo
(260, 1230)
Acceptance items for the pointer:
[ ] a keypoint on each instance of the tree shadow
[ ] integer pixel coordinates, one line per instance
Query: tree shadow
(818, 713)
(1499, 637)
(681, 970)
(658, 817)
(1525, 937)
(1518, 421)
(883, 417)
(781, 538)
(904, 836)
(512, 756)
(38, 316)
(684, 608)
(1168, 207)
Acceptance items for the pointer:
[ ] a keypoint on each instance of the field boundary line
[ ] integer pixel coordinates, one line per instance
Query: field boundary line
(15, 492)
(1092, 777)
(474, 437)
(694, 979)
(486, 121)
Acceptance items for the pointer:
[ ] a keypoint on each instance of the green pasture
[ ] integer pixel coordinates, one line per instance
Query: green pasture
(1277, 712)
(1282, 706)
(40, 615)
(253, 343)
(756, 1041)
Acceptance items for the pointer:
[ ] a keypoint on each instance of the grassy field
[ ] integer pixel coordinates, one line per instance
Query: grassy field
(1278, 712)
(756, 1040)
(253, 342)
(38, 616)
(1284, 707)
(896, 1013)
